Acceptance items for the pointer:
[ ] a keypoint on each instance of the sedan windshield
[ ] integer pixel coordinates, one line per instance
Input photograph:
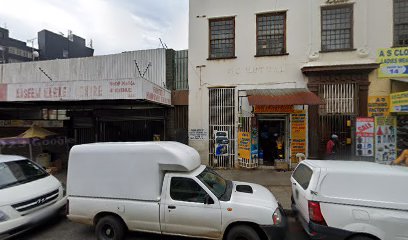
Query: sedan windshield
(19, 172)
(213, 181)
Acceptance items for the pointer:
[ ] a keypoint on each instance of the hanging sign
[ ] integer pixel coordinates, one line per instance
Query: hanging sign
(244, 145)
(365, 137)
(399, 102)
(385, 139)
(298, 134)
(393, 62)
(378, 106)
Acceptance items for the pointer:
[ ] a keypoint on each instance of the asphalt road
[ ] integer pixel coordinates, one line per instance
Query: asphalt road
(63, 229)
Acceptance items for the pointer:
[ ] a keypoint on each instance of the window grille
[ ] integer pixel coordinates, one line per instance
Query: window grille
(222, 118)
(271, 34)
(222, 38)
(339, 98)
(337, 28)
(400, 22)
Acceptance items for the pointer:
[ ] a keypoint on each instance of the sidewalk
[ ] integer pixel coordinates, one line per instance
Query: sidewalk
(277, 182)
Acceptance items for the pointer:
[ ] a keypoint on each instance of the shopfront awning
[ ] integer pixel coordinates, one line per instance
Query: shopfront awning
(287, 96)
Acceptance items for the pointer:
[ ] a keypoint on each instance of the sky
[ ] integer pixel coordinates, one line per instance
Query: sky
(113, 25)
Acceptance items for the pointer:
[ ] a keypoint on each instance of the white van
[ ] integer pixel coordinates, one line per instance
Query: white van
(351, 200)
(161, 187)
(28, 195)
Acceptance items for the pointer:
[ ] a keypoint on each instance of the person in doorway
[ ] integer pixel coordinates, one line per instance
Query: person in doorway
(402, 159)
(331, 147)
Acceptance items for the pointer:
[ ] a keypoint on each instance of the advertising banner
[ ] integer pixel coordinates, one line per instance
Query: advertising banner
(244, 145)
(399, 102)
(385, 139)
(298, 135)
(221, 143)
(365, 137)
(393, 62)
(378, 106)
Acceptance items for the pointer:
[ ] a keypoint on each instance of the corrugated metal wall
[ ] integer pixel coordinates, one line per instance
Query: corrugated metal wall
(181, 70)
(116, 66)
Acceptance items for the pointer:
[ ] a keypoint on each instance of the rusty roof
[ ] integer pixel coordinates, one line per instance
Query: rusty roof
(286, 96)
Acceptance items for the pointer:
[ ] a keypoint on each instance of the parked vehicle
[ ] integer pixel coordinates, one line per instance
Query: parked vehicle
(161, 187)
(28, 195)
(351, 200)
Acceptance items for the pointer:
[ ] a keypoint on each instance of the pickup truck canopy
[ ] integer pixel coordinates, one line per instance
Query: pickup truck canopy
(132, 170)
(361, 183)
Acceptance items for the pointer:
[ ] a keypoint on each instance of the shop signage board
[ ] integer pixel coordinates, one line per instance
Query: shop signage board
(399, 102)
(393, 62)
(254, 143)
(29, 123)
(298, 134)
(274, 109)
(365, 137)
(378, 106)
(87, 90)
(244, 145)
(221, 143)
(198, 134)
(385, 139)
(3, 92)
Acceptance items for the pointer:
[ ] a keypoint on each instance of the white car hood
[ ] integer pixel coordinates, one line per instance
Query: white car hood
(261, 196)
(27, 191)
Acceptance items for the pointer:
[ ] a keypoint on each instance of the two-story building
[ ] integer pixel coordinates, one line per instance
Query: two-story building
(271, 79)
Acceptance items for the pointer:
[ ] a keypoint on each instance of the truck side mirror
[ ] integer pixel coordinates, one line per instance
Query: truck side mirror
(208, 200)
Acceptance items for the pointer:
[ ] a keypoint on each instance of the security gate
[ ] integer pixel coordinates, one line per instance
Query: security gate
(222, 127)
(338, 115)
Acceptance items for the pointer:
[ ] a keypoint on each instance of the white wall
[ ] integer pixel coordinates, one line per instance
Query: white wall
(372, 30)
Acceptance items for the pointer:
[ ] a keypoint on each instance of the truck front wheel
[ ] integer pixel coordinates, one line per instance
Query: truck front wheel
(242, 232)
(110, 228)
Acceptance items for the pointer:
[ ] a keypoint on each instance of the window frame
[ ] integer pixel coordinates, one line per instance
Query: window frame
(179, 177)
(210, 20)
(302, 184)
(394, 40)
(333, 7)
(285, 50)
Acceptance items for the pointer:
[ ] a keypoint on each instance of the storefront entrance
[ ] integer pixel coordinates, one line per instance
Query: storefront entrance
(273, 138)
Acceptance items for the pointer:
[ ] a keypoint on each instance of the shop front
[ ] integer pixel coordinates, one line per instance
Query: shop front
(276, 132)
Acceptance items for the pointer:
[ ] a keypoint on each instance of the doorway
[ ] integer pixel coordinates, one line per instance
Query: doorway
(273, 138)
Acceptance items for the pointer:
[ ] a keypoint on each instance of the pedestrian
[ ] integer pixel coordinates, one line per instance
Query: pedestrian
(402, 159)
(331, 147)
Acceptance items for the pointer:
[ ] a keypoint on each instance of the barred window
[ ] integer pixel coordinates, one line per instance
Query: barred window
(271, 34)
(400, 23)
(337, 28)
(222, 38)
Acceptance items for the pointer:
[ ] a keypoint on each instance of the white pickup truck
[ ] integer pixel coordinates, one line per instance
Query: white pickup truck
(161, 187)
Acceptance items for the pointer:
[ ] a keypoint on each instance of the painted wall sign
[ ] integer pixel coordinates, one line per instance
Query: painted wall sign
(385, 139)
(393, 62)
(244, 145)
(336, 1)
(274, 109)
(198, 134)
(298, 134)
(365, 137)
(399, 102)
(29, 123)
(88, 90)
(378, 106)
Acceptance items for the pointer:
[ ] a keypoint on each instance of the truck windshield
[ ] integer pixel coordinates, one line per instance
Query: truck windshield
(19, 172)
(213, 181)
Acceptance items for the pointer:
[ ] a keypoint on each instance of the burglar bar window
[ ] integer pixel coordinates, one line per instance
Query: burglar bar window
(222, 38)
(337, 28)
(400, 23)
(271, 34)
